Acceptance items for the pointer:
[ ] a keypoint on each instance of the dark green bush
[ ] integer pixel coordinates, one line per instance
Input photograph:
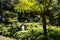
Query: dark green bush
(4, 30)
(32, 32)
(54, 33)
(8, 30)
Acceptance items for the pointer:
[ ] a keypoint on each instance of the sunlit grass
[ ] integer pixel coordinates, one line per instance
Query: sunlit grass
(6, 38)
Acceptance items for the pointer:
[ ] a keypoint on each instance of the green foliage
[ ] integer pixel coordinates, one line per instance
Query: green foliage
(8, 30)
(27, 6)
(4, 30)
(36, 33)
(34, 6)
(54, 33)
(32, 32)
(6, 38)
(10, 16)
(51, 8)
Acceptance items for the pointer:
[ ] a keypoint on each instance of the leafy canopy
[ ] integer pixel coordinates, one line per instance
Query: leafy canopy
(26, 6)
(34, 5)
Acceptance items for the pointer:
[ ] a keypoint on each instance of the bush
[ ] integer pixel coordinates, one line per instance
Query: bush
(32, 32)
(8, 30)
(54, 33)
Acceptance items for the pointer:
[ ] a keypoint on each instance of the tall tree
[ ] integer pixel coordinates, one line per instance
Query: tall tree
(38, 7)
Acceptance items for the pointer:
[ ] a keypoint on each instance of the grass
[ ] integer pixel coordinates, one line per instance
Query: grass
(6, 38)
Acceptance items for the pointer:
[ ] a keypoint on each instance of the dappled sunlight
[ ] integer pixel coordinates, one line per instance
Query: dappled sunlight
(30, 20)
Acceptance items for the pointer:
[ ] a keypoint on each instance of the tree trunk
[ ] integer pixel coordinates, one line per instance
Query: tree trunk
(44, 26)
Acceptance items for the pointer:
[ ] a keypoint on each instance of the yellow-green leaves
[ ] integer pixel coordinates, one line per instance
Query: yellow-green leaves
(41, 7)
(26, 6)
(10, 16)
(33, 6)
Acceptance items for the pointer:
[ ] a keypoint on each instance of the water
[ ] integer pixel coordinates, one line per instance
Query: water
(22, 27)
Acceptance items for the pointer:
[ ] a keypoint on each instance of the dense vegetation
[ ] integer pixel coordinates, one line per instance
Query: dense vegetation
(41, 19)
(5, 38)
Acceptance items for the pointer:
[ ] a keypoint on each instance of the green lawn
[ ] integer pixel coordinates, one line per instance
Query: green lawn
(6, 38)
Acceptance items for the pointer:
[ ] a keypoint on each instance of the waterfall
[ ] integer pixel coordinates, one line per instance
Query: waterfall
(22, 27)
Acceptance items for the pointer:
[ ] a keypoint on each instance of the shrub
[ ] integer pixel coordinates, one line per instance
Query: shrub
(54, 33)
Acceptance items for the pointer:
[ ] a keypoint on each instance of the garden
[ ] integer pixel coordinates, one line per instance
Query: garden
(30, 20)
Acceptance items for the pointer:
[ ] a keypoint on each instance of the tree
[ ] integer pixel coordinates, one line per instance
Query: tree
(39, 7)
(47, 5)
(53, 13)
(6, 5)
(25, 8)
